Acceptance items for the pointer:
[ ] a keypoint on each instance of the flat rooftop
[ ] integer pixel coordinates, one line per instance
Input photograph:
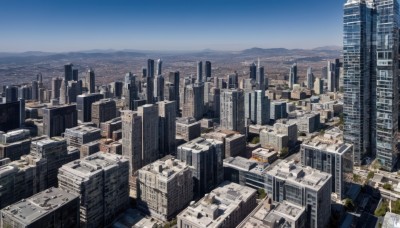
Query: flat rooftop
(39, 205)
(81, 130)
(306, 176)
(168, 168)
(240, 163)
(329, 144)
(213, 208)
(200, 144)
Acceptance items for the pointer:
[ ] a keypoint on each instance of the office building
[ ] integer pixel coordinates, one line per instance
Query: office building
(193, 101)
(22, 178)
(257, 107)
(260, 77)
(108, 127)
(307, 122)
(68, 72)
(103, 110)
(159, 67)
(327, 154)
(232, 110)
(14, 144)
(50, 208)
(310, 79)
(293, 75)
(159, 88)
(318, 86)
(305, 187)
(150, 68)
(150, 132)
(278, 110)
(174, 95)
(84, 106)
(101, 180)
(225, 206)
(58, 118)
(253, 71)
(91, 81)
(188, 128)
(12, 115)
(204, 156)
(199, 78)
(79, 135)
(12, 94)
(165, 187)
(264, 155)
(130, 91)
(55, 88)
(207, 69)
(234, 144)
(132, 146)
(167, 127)
(57, 153)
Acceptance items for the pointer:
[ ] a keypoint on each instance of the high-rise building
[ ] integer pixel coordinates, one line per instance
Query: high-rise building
(167, 122)
(207, 69)
(150, 132)
(130, 91)
(22, 178)
(101, 180)
(293, 75)
(50, 208)
(91, 81)
(55, 87)
(57, 153)
(318, 86)
(12, 94)
(132, 140)
(57, 118)
(260, 77)
(150, 68)
(193, 101)
(310, 79)
(199, 78)
(253, 71)
(165, 187)
(205, 158)
(79, 135)
(14, 144)
(331, 81)
(68, 75)
(302, 186)
(75, 74)
(174, 78)
(159, 88)
(232, 110)
(329, 155)
(159, 67)
(187, 128)
(371, 79)
(103, 110)
(84, 106)
(257, 107)
(12, 115)
(64, 92)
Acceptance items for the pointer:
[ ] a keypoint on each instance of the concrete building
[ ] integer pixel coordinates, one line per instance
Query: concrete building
(50, 208)
(188, 128)
(80, 135)
(84, 105)
(103, 110)
(108, 127)
(22, 178)
(305, 187)
(257, 107)
(278, 110)
(307, 122)
(232, 110)
(167, 127)
(57, 153)
(391, 220)
(193, 101)
(14, 144)
(271, 138)
(318, 86)
(272, 214)
(101, 180)
(328, 154)
(234, 144)
(58, 118)
(264, 155)
(150, 132)
(132, 140)
(165, 187)
(293, 76)
(225, 206)
(204, 156)
(89, 148)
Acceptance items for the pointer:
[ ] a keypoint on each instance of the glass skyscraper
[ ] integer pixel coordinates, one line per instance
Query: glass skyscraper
(370, 50)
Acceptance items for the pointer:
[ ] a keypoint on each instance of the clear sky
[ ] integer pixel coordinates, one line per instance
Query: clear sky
(72, 25)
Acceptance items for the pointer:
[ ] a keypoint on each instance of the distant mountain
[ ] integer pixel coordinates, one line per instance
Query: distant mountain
(270, 52)
(329, 48)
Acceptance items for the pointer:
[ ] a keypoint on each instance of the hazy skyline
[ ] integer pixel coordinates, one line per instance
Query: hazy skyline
(48, 25)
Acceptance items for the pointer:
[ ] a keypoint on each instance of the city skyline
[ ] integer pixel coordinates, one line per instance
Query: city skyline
(174, 25)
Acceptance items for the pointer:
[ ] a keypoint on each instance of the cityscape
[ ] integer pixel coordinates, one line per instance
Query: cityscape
(198, 136)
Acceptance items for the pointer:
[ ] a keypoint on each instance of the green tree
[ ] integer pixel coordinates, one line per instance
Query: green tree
(284, 152)
(387, 186)
(356, 178)
(255, 140)
(348, 204)
(382, 209)
(261, 193)
(370, 175)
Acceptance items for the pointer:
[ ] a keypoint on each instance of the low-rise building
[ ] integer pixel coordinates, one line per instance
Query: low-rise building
(165, 187)
(225, 206)
(50, 208)
(14, 144)
(80, 135)
(188, 128)
(264, 155)
(234, 143)
(108, 127)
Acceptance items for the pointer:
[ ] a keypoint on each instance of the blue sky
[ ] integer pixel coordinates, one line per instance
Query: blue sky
(71, 25)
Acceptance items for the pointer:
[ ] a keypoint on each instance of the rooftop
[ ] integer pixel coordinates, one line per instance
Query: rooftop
(200, 144)
(186, 120)
(306, 176)
(39, 205)
(165, 168)
(240, 163)
(14, 136)
(328, 144)
(213, 208)
(81, 130)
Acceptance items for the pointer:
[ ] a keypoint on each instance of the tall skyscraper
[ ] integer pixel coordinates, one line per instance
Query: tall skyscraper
(359, 77)
(253, 71)
(174, 78)
(293, 75)
(232, 110)
(260, 85)
(150, 132)
(150, 68)
(167, 123)
(310, 79)
(159, 88)
(159, 67)
(35, 90)
(207, 70)
(64, 92)
(75, 74)
(199, 72)
(57, 119)
(103, 110)
(68, 72)
(331, 81)
(318, 86)
(84, 106)
(91, 81)
(193, 101)
(257, 107)
(12, 94)
(130, 92)
(132, 139)
(55, 87)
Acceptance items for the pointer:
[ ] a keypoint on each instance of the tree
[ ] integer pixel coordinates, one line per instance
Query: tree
(370, 175)
(348, 204)
(382, 209)
(284, 152)
(387, 186)
(261, 193)
(255, 140)
(356, 178)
